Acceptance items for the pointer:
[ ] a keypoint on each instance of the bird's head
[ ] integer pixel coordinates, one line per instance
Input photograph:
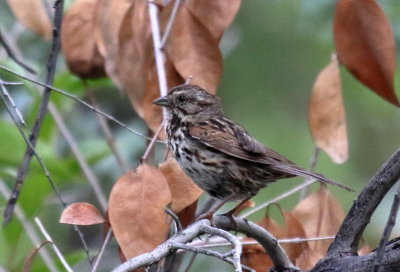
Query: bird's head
(188, 101)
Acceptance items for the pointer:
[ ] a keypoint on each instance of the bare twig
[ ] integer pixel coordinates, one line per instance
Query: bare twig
(108, 134)
(55, 248)
(83, 164)
(51, 67)
(278, 198)
(348, 237)
(170, 23)
(77, 99)
(175, 218)
(224, 257)
(218, 242)
(153, 140)
(8, 98)
(158, 53)
(48, 177)
(102, 249)
(388, 230)
(30, 231)
(14, 54)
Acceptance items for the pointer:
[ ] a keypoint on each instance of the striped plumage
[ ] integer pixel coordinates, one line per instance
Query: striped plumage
(218, 154)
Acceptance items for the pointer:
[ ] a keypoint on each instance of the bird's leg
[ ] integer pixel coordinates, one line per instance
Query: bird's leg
(236, 208)
(208, 215)
(230, 213)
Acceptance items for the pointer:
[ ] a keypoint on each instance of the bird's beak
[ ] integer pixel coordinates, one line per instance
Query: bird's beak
(162, 101)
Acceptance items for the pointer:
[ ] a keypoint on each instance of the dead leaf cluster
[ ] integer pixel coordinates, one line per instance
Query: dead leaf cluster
(115, 37)
(136, 206)
(318, 215)
(365, 45)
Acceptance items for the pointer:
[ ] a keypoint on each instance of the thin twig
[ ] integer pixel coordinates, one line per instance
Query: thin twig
(158, 53)
(77, 99)
(102, 249)
(218, 242)
(48, 177)
(153, 140)
(388, 230)
(237, 247)
(13, 54)
(51, 67)
(83, 164)
(8, 97)
(170, 23)
(224, 257)
(278, 198)
(55, 248)
(30, 231)
(175, 218)
(108, 134)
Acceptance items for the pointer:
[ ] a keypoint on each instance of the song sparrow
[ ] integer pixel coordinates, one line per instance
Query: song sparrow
(218, 154)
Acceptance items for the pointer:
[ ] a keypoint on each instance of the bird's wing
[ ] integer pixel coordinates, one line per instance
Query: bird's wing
(236, 142)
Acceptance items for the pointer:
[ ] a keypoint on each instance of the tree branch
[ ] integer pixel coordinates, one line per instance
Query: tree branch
(276, 253)
(51, 67)
(349, 234)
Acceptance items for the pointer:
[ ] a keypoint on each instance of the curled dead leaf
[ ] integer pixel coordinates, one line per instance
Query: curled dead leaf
(365, 45)
(31, 257)
(136, 210)
(32, 14)
(79, 40)
(326, 114)
(81, 213)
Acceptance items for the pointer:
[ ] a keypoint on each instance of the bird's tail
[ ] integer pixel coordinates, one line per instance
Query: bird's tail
(304, 173)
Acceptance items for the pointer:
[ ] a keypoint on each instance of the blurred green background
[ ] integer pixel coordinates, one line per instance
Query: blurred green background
(272, 54)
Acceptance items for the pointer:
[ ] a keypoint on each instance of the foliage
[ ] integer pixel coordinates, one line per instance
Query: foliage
(272, 53)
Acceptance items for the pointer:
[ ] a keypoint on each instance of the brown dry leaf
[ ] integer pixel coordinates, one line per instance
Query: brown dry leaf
(293, 229)
(308, 259)
(326, 114)
(135, 55)
(136, 210)
(109, 20)
(320, 214)
(186, 216)
(254, 256)
(78, 40)
(247, 204)
(32, 14)
(152, 113)
(364, 250)
(81, 213)
(193, 50)
(215, 15)
(184, 191)
(365, 45)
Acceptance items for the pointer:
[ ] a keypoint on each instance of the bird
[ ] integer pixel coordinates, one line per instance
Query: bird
(219, 155)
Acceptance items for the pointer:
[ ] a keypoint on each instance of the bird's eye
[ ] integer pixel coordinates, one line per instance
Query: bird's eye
(181, 98)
